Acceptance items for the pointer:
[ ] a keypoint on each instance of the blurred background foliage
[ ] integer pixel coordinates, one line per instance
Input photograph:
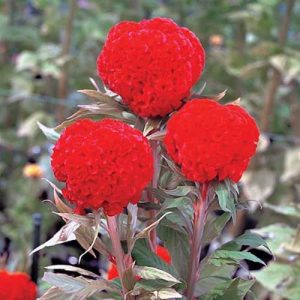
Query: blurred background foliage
(48, 51)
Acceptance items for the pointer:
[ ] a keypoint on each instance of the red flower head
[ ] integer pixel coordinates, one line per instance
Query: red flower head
(152, 64)
(16, 286)
(209, 140)
(104, 164)
(162, 252)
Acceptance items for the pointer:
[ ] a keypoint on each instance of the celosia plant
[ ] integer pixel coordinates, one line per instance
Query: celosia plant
(142, 181)
(16, 286)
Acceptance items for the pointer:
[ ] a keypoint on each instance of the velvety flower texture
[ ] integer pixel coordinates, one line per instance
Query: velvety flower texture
(16, 286)
(209, 140)
(162, 252)
(104, 164)
(151, 64)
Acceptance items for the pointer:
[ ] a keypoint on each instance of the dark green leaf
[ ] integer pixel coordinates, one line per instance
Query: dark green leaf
(143, 256)
(178, 245)
(221, 257)
(214, 227)
(226, 200)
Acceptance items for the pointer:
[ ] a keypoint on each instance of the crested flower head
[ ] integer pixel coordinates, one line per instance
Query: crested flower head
(16, 286)
(104, 164)
(211, 141)
(152, 64)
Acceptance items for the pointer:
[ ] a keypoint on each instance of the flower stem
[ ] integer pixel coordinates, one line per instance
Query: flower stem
(200, 215)
(156, 156)
(113, 231)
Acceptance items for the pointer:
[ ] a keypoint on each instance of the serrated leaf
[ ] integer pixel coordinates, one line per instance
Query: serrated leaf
(153, 273)
(51, 134)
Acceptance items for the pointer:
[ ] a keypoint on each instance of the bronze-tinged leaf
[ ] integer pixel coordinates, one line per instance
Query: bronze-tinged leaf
(153, 273)
(151, 124)
(101, 97)
(65, 234)
(79, 286)
(73, 269)
(60, 205)
(145, 232)
(54, 293)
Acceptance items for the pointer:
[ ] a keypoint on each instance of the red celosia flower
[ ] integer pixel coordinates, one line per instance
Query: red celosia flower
(16, 286)
(104, 164)
(162, 252)
(152, 64)
(209, 140)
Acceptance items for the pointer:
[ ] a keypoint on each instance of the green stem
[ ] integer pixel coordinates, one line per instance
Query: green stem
(200, 215)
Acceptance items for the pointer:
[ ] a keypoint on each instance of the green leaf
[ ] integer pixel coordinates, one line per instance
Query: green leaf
(214, 227)
(153, 273)
(180, 255)
(50, 133)
(212, 277)
(235, 289)
(226, 200)
(143, 256)
(152, 285)
(181, 191)
(252, 240)
(221, 257)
